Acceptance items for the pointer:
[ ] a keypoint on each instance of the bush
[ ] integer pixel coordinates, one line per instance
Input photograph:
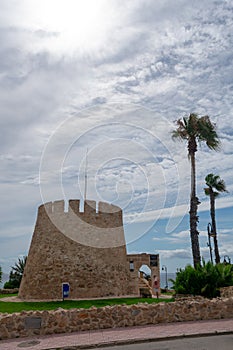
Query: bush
(204, 280)
(14, 281)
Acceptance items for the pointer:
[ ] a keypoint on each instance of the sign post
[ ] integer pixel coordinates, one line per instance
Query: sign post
(65, 290)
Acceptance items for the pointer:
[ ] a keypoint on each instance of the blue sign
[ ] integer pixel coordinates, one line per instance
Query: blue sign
(65, 290)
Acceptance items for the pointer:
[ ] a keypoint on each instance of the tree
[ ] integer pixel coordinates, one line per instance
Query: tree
(0, 274)
(16, 274)
(195, 129)
(215, 187)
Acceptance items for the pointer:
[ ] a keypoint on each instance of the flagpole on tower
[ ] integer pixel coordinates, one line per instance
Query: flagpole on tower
(85, 179)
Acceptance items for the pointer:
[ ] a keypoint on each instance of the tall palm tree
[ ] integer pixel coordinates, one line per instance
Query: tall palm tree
(194, 129)
(215, 187)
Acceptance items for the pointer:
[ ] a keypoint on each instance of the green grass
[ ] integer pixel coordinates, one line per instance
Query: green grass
(10, 307)
(169, 293)
(7, 295)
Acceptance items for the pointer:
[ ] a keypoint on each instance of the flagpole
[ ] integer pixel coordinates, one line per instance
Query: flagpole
(85, 179)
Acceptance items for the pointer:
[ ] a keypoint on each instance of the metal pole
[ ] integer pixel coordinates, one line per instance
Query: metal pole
(85, 183)
(165, 268)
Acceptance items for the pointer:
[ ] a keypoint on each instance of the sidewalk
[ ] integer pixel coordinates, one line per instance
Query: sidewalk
(91, 339)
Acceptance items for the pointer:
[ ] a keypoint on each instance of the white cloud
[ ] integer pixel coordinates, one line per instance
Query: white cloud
(175, 253)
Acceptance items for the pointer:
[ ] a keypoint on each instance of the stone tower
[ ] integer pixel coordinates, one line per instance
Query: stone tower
(86, 249)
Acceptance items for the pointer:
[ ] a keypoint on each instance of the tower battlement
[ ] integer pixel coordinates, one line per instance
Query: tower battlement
(74, 205)
(100, 214)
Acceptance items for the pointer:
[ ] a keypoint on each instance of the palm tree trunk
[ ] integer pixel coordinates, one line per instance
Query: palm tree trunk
(212, 213)
(193, 218)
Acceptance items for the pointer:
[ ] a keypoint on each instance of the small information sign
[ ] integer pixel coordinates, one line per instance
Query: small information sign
(65, 290)
(32, 322)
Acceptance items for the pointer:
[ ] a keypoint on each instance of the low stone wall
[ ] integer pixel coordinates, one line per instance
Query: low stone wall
(226, 292)
(31, 323)
(9, 291)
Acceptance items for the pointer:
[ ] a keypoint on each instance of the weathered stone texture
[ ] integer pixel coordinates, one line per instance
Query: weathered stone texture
(9, 291)
(226, 292)
(86, 249)
(63, 321)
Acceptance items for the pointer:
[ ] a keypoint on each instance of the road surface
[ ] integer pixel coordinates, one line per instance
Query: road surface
(214, 342)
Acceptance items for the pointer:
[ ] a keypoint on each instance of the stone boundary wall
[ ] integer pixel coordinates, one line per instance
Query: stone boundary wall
(226, 292)
(31, 323)
(9, 291)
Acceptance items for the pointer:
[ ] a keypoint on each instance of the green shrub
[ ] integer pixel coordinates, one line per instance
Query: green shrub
(205, 280)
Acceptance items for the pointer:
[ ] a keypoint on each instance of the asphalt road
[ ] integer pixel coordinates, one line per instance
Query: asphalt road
(216, 342)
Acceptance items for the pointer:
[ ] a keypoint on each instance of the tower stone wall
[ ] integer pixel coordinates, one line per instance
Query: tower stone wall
(86, 249)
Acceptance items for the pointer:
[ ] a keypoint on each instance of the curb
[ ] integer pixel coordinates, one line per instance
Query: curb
(138, 341)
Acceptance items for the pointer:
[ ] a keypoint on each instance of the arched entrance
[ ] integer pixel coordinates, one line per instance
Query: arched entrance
(148, 264)
(144, 281)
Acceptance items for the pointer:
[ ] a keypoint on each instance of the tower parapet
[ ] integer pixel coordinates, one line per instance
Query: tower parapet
(99, 214)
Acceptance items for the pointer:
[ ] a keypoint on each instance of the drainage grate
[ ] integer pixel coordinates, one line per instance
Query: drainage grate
(27, 344)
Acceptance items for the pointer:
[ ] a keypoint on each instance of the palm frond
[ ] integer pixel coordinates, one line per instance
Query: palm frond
(221, 186)
(192, 125)
(207, 132)
(207, 191)
(176, 135)
(209, 179)
(216, 194)
(215, 182)
(19, 266)
(181, 132)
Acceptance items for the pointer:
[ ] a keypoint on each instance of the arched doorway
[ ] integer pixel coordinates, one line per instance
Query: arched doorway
(144, 281)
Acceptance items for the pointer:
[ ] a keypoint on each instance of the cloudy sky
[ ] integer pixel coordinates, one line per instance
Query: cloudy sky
(109, 78)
